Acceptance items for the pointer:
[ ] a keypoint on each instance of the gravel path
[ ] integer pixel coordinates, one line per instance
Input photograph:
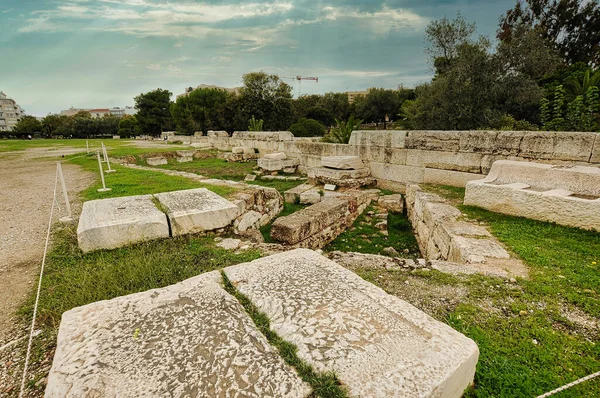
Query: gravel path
(26, 185)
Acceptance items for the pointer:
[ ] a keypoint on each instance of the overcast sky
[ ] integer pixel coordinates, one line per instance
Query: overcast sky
(101, 53)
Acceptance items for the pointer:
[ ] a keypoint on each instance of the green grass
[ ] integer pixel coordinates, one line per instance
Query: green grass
(365, 237)
(114, 147)
(324, 385)
(506, 320)
(213, 167)
(127, 181)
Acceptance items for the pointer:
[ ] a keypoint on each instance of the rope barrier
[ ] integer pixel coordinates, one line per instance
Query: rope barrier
(37, 297)
(574, 383)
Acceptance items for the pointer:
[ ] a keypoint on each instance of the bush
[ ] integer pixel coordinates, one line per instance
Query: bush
(307, 128)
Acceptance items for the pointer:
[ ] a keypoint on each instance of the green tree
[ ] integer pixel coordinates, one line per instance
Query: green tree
(127, 126)
(27, 125)
(379, 105)
(307, 128)
(255, 124)
(572, 26)
(342, 132)
(51, 124)
(443, 37)
(268, 98)
(153, 111)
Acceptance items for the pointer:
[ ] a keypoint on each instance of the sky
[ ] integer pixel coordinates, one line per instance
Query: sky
(102, 53)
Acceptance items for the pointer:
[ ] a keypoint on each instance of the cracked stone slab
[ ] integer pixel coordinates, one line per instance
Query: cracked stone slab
(116, 222)
(342, 162)
(378, 345)
(191, 339)
(197, 210)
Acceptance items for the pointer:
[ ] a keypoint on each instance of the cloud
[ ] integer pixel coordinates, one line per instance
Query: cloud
(7, 11)
(178, 44)
(154, 66)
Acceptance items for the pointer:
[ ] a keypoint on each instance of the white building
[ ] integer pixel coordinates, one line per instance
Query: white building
(128, 110)
(10, 113)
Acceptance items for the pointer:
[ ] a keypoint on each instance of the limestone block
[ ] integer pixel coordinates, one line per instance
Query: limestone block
(250, 220)
(342, 162)
(341, 174)
(474, 250)
(381, 138)
(156, 161)
(448, 177)
(263, 135)
(377, 344)
(276, 164)
(188, 339)
(433, 140)
(316, 148)
(310, 197)
(237, 150)
(396, 173)
(595, 158)
(308, 221)
(185, 153)
(117, 222)
(385, 155)
(508, 143)
(478, 141)
(185, 159)
(393, 203)
(538, 144)
(229, 244)
(574, 146)
(250, 177)
(467, 162)
(197, 210)
(218, 134)
(293, 195)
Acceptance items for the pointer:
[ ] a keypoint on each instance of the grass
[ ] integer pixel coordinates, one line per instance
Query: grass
(127, 181)
(213, 167)
(324, 385)
(115, 147)
(532, 335)
(365, 237)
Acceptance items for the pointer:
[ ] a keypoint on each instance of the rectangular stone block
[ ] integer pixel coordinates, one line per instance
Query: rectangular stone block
(308, 221)
(595, 157)
(396, 173)
(538, 144)
(448, 177)
(377, 344)
(276, 164)
(381, 138)
(156, 161)
(274, 156)
(467, 162)
(478, 141)
(184, 340)
(293, 195)
(342, 162)
(185, 159)
(117, 222)
(433, 140)
(574, 146)
(197, 210)
(385, 155)
(218, 134)
(323, 172)
(263, 135)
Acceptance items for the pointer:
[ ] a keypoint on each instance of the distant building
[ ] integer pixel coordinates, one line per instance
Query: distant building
(10, 113)
(99, 112)
(128, 110)
(188, 90)
(353, 95)
(72, 111)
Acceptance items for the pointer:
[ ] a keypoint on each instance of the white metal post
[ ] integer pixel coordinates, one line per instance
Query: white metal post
(69, 215)
(107, 161)
(87, 146)
(104, 153)
(103, 189)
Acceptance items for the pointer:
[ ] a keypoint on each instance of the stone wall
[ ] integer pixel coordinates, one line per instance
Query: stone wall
(433, 157)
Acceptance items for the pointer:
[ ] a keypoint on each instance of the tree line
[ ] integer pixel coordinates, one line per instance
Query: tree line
(542, 73)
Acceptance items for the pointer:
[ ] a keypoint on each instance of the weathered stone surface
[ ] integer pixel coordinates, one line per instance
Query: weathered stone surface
(117, 222)
(466, 162)
(215, 134)
(293, 195)
(229, 244)
(197, 210)
(185, 159)
(380, 138)
(330, 187)
(156, 161)
(263, 135)
(595, 157)
(250, 177)
(188, 339)
(474, 250)
(478, 141)
(574, 146)
(306, 222)
(538, 144)
(378, 345)
(342, 162)
(396, 173)
(185, 153)
(250, 220)
(393, 203)
(237, 150)
(323, 172)
(276, 164)
(448, 177)
(508, 143)
(310, 197)
(433, 140)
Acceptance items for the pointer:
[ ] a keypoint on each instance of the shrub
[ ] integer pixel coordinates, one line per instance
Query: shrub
(307, 128)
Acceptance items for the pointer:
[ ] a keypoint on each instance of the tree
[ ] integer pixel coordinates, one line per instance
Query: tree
(52, 124)
(27, 125)
(153, 111)
(127, 126)
(307, 128)
(572, 26)
(379, 105)
(341, 134)
(266, 97)
(442, 38)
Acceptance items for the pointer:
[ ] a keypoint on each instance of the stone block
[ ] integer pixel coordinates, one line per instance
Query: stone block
(276, 164)
(448, 177)
(308, 221)
(250, 177)
(250, 220)
(393, 203)
(323, 172)
(188, 339)
(275, 136)
(474, 250)
(377, 344)
(117, 222)
(185, 159)
(342, 162)
(197, 210)
(508, 143)
(156, 161)
(310, 197)
(595, 157)
(574, 146)
(381, 138)
(538, 144)
(185, 154)
(466, 162)
(330, 187)
(237, 150)
(478, 141)
(396, 173)
(385, 155)
(218, 134)
(433, 140)
(293, 195)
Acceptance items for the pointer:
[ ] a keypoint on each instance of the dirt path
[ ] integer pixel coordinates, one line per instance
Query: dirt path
(26, 185)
